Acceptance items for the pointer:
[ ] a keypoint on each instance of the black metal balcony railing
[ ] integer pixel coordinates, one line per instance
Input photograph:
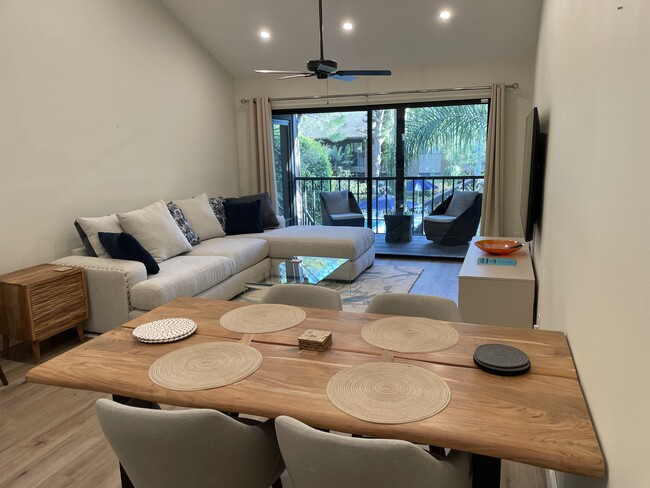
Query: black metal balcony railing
(421, 196)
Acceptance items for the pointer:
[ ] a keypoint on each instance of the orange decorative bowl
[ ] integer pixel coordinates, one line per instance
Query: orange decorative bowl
(499, 246)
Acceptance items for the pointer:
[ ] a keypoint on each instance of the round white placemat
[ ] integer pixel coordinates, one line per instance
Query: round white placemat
(388, 393)
(165, 330)
(205, 366)
(262, 318)
(410, 334)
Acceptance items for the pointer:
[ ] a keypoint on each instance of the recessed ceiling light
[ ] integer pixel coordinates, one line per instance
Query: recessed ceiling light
(348, 26)
(265, 34)
(445, 15)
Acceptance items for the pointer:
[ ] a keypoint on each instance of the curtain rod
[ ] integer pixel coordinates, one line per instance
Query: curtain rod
(514, 86)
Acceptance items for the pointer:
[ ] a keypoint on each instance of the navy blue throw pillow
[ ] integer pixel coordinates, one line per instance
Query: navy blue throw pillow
(121, 245)
(243, 218)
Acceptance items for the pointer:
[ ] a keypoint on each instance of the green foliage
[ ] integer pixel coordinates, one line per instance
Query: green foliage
(458, 131)
(314, 158)
(278, 167)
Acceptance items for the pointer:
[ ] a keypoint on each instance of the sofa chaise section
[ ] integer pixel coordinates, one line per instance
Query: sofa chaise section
(354, 243)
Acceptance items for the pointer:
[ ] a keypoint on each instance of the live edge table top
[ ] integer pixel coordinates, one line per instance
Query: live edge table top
(538, 418)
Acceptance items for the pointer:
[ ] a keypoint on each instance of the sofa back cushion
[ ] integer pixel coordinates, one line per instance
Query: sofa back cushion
(154, 228)
(201, 217)
(90, 227)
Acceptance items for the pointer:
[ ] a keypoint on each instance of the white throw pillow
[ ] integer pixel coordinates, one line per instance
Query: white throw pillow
(93, 225)
(201, 217)
(154, 227)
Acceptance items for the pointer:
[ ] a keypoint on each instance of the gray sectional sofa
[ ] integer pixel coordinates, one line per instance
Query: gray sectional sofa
(217, 268)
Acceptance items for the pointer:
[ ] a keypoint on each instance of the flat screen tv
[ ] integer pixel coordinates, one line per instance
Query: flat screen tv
(533, 175)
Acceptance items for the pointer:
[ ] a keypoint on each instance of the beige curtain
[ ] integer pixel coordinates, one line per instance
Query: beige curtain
(262, 173)
(492, 210)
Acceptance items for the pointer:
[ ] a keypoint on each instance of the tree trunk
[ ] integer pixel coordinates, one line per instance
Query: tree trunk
(377, 140)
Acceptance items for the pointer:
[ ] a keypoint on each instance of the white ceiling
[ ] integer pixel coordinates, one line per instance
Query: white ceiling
(388, 34)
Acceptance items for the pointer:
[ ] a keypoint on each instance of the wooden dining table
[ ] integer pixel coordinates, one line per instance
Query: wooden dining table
(538, 418)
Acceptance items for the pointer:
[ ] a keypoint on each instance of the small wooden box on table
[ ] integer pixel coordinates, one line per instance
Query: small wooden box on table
(41, 301)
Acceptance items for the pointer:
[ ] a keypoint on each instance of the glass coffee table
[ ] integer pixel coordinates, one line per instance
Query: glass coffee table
(306, 270)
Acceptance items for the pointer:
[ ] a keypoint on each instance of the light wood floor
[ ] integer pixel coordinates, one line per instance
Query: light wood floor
(50, 437)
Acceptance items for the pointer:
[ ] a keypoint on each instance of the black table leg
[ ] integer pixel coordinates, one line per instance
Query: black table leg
(486, 471)
(124, 478)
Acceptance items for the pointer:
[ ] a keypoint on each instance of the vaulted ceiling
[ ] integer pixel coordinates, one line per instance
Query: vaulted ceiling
(387, 34)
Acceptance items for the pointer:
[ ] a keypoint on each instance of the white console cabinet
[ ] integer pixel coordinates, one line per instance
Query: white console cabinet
(497, 295)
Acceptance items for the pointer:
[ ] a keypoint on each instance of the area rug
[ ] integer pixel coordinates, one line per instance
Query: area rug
(356, 296)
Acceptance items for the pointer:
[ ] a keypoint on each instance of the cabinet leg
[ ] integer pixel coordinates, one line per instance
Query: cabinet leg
(80, 333)
(36, 349)
(5, 346)
(3, 378)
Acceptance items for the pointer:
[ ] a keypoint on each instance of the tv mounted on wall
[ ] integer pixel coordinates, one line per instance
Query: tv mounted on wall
(533, 175)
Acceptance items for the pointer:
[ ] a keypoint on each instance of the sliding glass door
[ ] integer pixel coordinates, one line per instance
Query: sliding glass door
(394, 159)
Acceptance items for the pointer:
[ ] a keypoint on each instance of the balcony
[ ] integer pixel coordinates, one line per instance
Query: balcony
(420, 196)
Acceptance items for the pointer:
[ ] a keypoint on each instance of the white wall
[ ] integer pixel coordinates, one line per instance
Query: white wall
(591, 85)
(518, 102)
(105, 105)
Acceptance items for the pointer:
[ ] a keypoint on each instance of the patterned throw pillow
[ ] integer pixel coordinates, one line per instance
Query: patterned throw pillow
(183, 224)
(217, 207)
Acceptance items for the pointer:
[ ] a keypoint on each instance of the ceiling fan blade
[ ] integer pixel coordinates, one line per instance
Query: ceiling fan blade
(278, 72)
(338, 76)
(364, 72)
(302, 75)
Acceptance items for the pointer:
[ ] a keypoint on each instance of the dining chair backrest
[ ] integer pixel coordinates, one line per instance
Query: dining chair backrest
(197, 447)
(318, 459)
(428, 306)
(304, 296)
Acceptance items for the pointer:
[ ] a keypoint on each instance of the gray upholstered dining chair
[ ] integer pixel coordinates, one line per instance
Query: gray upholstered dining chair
(197, 447)
(340, 208)
(318, 459)
(412, 305)
(303, 296)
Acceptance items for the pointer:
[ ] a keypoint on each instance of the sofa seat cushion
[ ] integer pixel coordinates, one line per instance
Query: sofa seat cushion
(242, 252)
(180, 276)
(316, 240)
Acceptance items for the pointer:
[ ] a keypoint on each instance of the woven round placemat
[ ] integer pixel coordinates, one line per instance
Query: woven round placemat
(388, 393)
(262, 318)
(205, 366)
(410, 334)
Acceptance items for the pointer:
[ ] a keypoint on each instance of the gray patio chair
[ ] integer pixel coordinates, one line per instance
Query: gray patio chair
(318, 459)
(303, 296)
(197, 447)
(341, 208)
(455, 220)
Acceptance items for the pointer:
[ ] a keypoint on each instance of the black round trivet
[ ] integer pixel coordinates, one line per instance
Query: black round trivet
(501, 359)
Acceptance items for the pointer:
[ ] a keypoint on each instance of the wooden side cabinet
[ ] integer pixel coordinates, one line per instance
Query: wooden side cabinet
(41, 301)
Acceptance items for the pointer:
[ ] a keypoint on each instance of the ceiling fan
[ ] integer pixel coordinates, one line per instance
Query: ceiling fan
(324, 68)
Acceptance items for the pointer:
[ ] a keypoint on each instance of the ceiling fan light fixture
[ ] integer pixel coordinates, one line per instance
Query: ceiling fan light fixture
(445, 15)
(347, 26)
(323, 68)
(265, 35)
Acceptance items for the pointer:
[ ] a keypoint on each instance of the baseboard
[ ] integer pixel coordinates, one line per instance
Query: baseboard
(551, 479)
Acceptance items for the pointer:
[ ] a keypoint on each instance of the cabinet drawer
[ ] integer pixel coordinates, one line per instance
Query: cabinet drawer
(58, 305)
